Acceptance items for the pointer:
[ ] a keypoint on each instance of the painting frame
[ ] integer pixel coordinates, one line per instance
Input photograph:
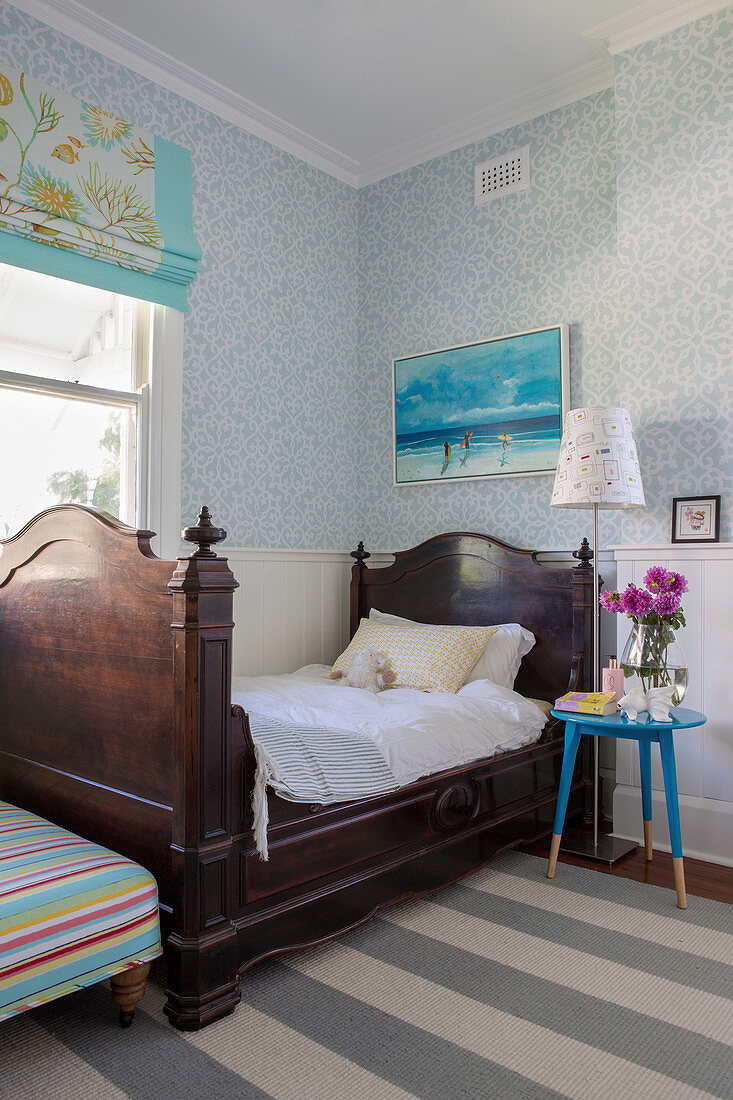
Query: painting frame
(436, 469)
(706, 527)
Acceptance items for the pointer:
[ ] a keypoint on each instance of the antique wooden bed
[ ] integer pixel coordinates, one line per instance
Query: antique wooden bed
(117, 723)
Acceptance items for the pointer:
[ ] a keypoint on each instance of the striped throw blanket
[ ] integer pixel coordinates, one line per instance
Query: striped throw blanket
(71, 913)
(307, 764)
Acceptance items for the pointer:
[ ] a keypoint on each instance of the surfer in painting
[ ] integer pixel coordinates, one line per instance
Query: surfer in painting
(506, 442)
(466, 441)
(446, 451)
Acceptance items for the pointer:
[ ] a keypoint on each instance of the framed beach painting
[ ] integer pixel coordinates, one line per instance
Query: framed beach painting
(494, 408)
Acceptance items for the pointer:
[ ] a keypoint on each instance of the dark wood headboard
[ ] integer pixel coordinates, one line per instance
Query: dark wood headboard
(473, 580)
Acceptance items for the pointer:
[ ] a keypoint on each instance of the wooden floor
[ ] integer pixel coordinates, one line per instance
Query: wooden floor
(706, 880)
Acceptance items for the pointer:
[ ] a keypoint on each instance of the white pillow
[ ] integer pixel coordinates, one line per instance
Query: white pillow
(501, 658)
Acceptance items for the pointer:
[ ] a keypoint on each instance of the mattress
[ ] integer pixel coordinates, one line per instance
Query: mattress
(417, 733)
(317, 740)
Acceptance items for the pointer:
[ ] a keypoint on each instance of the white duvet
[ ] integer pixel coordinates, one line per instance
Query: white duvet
(417, 733)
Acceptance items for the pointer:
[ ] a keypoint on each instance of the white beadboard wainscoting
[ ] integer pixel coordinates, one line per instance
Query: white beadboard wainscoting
(704, 755)
(292, 606)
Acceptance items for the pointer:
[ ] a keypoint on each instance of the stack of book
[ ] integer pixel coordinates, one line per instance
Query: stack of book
(587, 702)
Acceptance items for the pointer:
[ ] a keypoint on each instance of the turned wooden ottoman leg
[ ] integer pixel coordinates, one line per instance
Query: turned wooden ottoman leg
(127, 988)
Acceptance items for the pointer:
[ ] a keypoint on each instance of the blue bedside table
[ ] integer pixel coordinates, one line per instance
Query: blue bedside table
(646, 733)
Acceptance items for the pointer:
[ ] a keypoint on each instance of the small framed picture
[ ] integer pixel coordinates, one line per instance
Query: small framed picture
(695, 519)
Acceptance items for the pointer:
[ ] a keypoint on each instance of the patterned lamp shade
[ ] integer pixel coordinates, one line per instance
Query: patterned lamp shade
(598, 463)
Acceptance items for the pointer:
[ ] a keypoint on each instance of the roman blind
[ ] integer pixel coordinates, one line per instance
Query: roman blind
(87, 196)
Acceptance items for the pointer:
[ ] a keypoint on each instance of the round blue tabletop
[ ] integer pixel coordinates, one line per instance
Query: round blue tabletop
(682, 719)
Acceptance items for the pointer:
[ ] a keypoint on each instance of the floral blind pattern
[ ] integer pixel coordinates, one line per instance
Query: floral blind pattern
(95, 188)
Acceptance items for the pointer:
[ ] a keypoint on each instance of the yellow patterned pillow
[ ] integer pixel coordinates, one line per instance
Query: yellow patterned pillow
(428, 658)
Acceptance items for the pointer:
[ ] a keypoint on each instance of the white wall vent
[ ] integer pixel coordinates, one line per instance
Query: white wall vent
(501, 175)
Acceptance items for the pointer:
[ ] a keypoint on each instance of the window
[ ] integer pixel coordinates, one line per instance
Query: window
(82, 388)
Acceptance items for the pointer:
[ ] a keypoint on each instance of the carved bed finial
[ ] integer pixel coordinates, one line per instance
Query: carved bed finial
(584, 555)
(204, 534)
(360, 555)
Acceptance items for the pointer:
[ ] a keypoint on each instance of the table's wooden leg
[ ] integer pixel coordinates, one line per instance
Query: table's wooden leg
(572, 740)
(645, 770)
(679, 881)
(669, 771)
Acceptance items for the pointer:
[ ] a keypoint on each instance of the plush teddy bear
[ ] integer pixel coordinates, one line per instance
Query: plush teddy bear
(368, 670)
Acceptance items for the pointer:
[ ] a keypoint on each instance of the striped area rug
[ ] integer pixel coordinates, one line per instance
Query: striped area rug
(506, 985)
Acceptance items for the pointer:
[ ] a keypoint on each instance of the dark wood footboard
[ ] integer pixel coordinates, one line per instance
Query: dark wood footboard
(331, 868)
(115, 681)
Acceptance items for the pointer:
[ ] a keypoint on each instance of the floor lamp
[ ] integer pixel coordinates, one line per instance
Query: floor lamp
(598, 467)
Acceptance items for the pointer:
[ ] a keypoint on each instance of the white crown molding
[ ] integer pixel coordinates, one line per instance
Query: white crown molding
(651, 20)
(127, 49)
(84, 26)
(591, 78)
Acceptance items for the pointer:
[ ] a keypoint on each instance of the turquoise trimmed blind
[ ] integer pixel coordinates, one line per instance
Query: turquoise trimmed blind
(87, 196)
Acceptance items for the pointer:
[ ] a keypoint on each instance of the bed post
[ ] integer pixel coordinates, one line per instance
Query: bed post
(357, 608)
(202, 958)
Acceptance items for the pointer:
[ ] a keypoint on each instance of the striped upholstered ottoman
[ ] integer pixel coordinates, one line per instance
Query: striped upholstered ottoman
(71, 914)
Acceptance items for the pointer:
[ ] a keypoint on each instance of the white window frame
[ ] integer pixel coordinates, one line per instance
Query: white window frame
(157, 354)
(161, 505)
(94, 395)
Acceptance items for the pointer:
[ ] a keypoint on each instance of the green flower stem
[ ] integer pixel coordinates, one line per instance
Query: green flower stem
(46, 116)
(23, 153)
(654, 654)
(12, 131)
(27, 100)
(23, 150)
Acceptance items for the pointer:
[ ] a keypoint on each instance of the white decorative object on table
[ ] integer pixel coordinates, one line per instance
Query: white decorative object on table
(658, 702)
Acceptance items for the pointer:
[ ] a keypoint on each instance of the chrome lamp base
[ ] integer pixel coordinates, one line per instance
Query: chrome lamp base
(606, 849)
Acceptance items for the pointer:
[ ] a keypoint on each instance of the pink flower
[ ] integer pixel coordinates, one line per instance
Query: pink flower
(635, 602)
(666, 603)
(656, 578)
(610, 601)
(676, 584)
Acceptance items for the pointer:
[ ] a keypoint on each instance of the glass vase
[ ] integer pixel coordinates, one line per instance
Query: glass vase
(653, 657)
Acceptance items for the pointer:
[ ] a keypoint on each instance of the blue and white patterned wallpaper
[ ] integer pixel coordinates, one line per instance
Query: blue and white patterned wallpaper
(309, 289)
(436, 270)
(674, 108)
(269, 416)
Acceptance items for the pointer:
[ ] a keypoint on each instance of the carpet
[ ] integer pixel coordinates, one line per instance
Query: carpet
(505, 985)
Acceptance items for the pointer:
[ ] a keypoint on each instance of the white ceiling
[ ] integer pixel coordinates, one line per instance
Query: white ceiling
(367, 86)
(365, 76)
